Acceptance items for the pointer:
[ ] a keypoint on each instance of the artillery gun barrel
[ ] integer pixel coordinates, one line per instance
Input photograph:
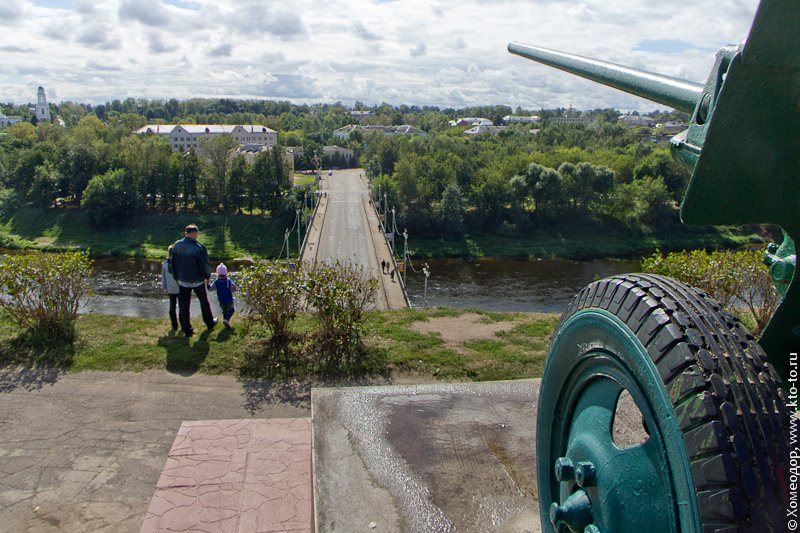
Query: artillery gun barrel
(673, 92)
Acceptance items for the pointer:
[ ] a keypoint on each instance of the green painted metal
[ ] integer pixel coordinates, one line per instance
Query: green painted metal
(782, 261)
(592, 359)
(741, 144)
(674, 92)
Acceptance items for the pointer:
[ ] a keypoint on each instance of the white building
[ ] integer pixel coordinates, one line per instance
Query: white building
(674, 127)
(5, 121)
(480, 130)
(185, 136)
(361, 114)
(42, 109)
(508, 119)
(470, 121)
(571, 120)
(633, 120)
(346, 153)
(344, 132)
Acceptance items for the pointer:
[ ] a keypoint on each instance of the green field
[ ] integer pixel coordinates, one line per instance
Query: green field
(230, 236)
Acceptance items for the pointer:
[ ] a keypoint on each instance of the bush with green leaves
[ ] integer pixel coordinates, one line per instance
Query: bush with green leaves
(736, 279)
(274, 296)
(339, 295)
(42, 292)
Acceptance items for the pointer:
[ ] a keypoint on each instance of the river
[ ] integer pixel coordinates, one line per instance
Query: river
(132, 287)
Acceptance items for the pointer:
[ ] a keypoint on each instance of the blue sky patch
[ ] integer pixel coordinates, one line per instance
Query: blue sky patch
(183, 4)
(664, 46)
(60, 4)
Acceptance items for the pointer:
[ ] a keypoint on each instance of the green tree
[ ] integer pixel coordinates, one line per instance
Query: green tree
(238, 177)
(44, 187)
(217, 149)
(451, 210)
(110, 198)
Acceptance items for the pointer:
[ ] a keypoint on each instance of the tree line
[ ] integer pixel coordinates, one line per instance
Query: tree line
(114, 174)
(512, 182)
(506, 183)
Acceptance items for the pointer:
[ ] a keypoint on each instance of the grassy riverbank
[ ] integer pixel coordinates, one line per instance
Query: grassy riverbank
(438, 343)
(227, 236)
(583, 243)
(230, 236)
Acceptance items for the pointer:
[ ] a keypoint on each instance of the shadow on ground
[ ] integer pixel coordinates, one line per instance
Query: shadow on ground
(29, 379)
(185, 355)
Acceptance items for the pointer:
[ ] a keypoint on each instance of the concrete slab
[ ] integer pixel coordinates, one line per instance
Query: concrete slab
(421, 458)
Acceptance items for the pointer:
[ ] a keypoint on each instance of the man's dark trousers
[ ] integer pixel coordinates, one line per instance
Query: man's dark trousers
(185, 300)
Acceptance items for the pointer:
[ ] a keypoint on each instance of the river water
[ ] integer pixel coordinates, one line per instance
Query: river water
(132, 287)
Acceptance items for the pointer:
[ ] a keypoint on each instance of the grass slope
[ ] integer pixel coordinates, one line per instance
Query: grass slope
(391, 344)
(226, 235)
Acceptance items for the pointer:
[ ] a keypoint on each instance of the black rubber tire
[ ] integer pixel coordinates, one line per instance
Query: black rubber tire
(727, 398)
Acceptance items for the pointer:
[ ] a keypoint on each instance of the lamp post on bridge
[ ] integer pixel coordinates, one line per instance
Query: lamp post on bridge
(405, 255)
(286, 241)
(298, 236)
(427, 273)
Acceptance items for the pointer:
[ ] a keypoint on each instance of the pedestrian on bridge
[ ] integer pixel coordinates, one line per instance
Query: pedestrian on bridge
(383, 266)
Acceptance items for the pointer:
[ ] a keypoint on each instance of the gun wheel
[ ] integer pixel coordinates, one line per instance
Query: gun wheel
(711, 454)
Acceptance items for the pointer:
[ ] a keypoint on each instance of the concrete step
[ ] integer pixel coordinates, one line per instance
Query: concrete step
(236, 476)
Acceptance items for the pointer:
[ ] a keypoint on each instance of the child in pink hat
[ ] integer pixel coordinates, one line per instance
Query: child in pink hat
(225, 289)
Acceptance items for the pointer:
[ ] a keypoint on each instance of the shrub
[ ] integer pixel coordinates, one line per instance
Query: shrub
(339, 295)
(735, 279)
(42, 292)
(274, 296)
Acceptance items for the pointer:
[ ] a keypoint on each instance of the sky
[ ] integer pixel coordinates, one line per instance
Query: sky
(445, 53)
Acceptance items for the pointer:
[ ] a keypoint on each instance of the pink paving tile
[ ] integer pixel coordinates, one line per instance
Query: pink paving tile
(212, 437)
(238, 476)
(283, 470)
(280, 434)
(267, 509)
(202, 469)
(205, 508)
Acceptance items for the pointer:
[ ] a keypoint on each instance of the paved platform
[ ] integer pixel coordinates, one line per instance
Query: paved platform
(84, 452)
(422, 458)
(246, 476)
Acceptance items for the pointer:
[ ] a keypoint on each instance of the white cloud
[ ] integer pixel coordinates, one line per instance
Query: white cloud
(11, 11)
(448, 53)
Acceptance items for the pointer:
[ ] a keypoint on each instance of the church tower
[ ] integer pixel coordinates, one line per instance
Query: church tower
(42, 109)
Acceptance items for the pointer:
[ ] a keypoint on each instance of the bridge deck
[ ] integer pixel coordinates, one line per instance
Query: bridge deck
(345, 228)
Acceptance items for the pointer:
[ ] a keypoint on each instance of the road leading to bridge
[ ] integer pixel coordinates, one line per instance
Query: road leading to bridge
(345, 229)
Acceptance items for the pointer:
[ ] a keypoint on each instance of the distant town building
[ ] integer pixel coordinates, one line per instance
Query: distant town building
(346, 153)
(633, 120)
(508, 119)
(344, 132)
(674, 127)
(42, 109)
(470, 121)
(571, 120)
(361, 114)
(185, 136)
(5, 121)
(491, 130)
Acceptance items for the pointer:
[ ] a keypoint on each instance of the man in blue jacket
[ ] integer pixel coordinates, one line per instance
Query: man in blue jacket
(192, 270)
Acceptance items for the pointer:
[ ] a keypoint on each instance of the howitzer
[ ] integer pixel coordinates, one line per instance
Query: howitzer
(714, 455)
